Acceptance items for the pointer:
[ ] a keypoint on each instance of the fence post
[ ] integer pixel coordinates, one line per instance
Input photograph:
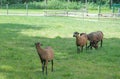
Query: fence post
(118, 11)
(7, 8)
(99, 11)
(113, 9)
(27, 9)
(1, 4)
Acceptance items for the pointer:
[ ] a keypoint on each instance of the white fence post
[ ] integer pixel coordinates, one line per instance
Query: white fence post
(27, 9)
(118, 11)
(1, 4)
(7, 8)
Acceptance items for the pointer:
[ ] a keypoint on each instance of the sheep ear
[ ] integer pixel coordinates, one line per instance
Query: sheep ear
(41, 44)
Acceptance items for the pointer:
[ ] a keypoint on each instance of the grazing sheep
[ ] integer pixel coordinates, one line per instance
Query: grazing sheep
(94, 38)
(81, 40)
(45, 55)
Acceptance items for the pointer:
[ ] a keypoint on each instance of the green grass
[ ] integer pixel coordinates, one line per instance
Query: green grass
(21, 11)
(19, 59)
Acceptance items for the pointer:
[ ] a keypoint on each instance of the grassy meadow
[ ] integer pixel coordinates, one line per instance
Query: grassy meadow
(19, 59)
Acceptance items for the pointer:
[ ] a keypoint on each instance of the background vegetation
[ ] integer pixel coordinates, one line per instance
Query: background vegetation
(57, 4)
(19, 59)
(83, 1)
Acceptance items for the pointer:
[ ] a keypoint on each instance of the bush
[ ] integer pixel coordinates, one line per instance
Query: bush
(92, 6)
(52, 4)
(17, 6)
(56, 4)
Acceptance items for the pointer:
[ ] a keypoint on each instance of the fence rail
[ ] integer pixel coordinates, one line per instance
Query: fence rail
(37, 12)
(75, 13)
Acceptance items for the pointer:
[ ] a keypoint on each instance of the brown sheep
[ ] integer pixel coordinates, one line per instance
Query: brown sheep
(45, 55)
(81, 40)
(94, 38)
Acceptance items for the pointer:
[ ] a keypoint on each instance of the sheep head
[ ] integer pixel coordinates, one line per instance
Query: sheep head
(95, 45)
(38, 44)
(75, 34)
(82, 34)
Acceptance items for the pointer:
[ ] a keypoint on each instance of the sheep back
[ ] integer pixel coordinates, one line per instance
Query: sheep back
(93, 36)
(48, 54)
(100, 35)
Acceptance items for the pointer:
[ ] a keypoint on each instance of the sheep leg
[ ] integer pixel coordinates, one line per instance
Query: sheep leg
(101, 42)
(96, 45)
(43, 65)
(46, 70)
(90, 45)
(46, 62)
(52, 65)
(81, 48)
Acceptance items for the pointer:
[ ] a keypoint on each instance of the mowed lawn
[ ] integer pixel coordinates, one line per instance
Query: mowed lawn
(19, 59)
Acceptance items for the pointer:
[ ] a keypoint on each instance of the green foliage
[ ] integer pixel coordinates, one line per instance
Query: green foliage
(17, 6)
(36, 5)
(93, 6)
(57, 4)
(53, 4)
(75, 5)
(82, 1)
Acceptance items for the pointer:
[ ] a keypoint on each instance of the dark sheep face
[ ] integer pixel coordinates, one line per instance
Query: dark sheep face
(95, 45)
(75, 34)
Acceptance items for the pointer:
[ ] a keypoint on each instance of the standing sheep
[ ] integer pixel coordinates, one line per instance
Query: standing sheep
(45, 55)
(81, 40)
(94, 38)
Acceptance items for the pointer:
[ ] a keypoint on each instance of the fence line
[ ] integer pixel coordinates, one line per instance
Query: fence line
(76, 13)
